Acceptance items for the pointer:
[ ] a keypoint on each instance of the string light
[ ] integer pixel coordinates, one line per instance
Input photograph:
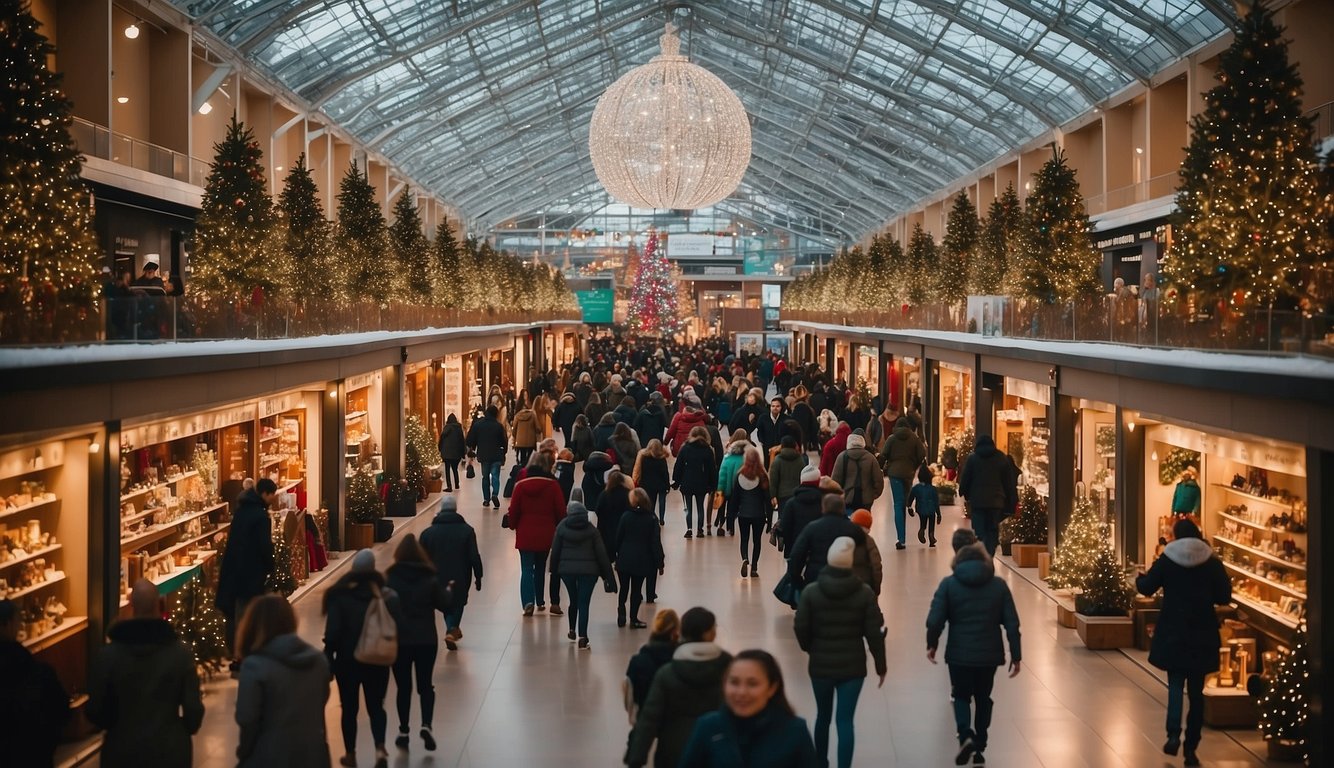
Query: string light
(653, 298)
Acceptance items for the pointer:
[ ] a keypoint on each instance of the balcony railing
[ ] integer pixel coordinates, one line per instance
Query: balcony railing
(98, 141)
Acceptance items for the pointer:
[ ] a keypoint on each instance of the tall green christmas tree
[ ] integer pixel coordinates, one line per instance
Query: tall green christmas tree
(958, 251)
(898, 261)
(921, 263)
(1285, 709)
(48, 254)
(1059, 261)
(653, 295)
(235, 252)
(997, 244)
(363, 241)
(1252, 213)
(412, 251)
(308, 238)
(880, 284)
(448, 267)
(1077, 550)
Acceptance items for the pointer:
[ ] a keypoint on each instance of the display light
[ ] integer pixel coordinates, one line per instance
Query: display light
(132, 31)
(205, 108)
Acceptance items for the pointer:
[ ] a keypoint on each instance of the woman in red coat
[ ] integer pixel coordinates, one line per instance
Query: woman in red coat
(537, 505)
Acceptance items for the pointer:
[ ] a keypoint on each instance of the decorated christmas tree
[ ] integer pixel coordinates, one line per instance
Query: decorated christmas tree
(199, 624)
(897, 266)
(653, 294)
(283, 577)
(1106, 591)
(997, 244)
(685, 295)
(1059, 261)
(363, 500)
(1252, 213)
(308, 237)
(48, 254)
(421, 450)
(448, 267)
(921, 266)
(1076, 552)
(235, 252)
(1030, 526)
(412, 252)
(363, 241)
(1286, 706)
(958, 251)
(880, 284)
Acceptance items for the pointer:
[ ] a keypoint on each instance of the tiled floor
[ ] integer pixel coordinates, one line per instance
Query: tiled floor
(517, 693)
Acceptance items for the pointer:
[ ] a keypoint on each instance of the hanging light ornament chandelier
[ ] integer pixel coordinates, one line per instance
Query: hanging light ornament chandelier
(669, 134)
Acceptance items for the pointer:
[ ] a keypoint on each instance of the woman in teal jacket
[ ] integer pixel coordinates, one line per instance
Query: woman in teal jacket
(727, 471)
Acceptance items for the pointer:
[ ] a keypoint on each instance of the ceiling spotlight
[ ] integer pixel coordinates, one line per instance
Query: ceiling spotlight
(205, 108)
(122, 99)
(132, 31)
(1139, 150)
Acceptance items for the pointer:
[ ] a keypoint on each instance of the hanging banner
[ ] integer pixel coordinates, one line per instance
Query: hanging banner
(454, 386)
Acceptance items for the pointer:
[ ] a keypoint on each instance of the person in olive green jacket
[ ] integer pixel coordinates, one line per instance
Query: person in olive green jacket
(901, 455)
(785, 470)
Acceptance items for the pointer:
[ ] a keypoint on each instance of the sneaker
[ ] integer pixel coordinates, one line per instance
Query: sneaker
(570, 635)
(637, 624)
(583, 644)
(921, 535)
(965, 751)
(745, 568)
(690, 535)
(900, 545)
(381, 758)
(556, 611)
(428, 738)
(402, 740)
(1190, 758)
(978, 759)
(720, 531)
(495, 503)
(528, 609)
(1172, 746)
(348, 760)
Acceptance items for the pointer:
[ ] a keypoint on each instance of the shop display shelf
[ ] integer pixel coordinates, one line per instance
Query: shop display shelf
(1259, 526)
(30, 556)
(159, 531)
(355, 415)
(173, 580)
(272, 461)
(1286, 621)
(195, 540)
(34, 588)
(1238, 492)
(267, 438)
(169, 481)
(1261, 553)
(140, 515)
(68, 627)
(26, 507)
(291, 484)
(1262, 580)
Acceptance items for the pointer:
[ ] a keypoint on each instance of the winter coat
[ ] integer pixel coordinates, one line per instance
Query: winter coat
(34, 707)
(857, 466)
(525, 429)
(452, 443)
(1193, 581)
(452, 545)
(651, 657)
(577, 549)
(582, 391)
(420, 595)
(689, 686)
(627, 450)
(799, 511)
(602, 433)
(746, 416)
(856, 419)
(836, 445)
(565, 412)
(595, 412)
(925, 501)
(805, 416)
(771, 739)
(785, 472)
(345, 605)
(875, 436)
(280, 700)
(487, 437)
(144, 690)
(1186, 498)
(769, 430)
(976, 605)
(716, 443)
(988, 480)
(736, 455)
(611, 507)
(650, 424)
(248, 559)
(949, 457)
(875, 563)
(595, 477)
(535, 509)
(565, 476)
(902, 454)
(625, 414)
(837, 620)
(651, 474)
(581, 443)
(809, 553)
(639, 543)
(682, 423)
(749, 500)
(695, 471)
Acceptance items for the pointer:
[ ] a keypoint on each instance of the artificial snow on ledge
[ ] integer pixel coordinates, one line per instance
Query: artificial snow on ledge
(1306, 366)
(35, 357)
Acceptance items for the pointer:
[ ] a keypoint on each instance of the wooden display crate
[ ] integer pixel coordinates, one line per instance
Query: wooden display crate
(1229, 707)
(1044, 565)
(1026, 555)
(1065, 611)
(1101, 633)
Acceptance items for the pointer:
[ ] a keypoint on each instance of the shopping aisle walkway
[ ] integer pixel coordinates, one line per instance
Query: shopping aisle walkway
(517, 693)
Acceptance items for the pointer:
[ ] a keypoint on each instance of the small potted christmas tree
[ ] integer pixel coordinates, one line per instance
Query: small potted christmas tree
(1286, 706)
(363, 510)
(400, 496)
(1102, 615)
(1072, 562)
(423, 458)
(1030, 528)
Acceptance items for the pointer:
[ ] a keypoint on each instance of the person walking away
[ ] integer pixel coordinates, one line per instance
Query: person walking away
(595, 410)
(785, 470)
(535, 508)
(750, 503)
(581, 438)
(1186, 640)
(812, 546)
(420, 594)
(579, 558)
(452, 546)
(924, 502)
(638, 555)
(664, 636)
(683, 424)
(345, 606)
(835, 616)
(976, 605)
(453, 446)
(696, 475)
(834, 447)
(625, 411)
(542, 410)
(611, 507)
(859, 475)
(624, 448)
(903, 453)
(525, 435)
(988, 483)
(281, 692)
(34, 707)
(799, 511)
(651, 421)
(144, 689)
(733, 458)
(489, 441)
(756, 726)
(248, 559)
(594, 483)
(602, 433)
(863, 519)
(650, 473)
(564, 472)
(690, 685)
(567, 411)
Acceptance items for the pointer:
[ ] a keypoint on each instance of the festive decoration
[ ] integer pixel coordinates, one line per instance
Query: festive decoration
(958, 250)
(884, 255)
(669, 134)
(998, 245)
(1286, 706)
(411, 250)
(1252, 213)
(205, 462)
(48, 253)
(448, 267)
(199, 624)
(1084, 537)
(363, 500)
(921, 265)
(686, 311)
(1059, 261)
(308, 237)
(422, 451)
(362, 240)
(1030, 525)
(283, 577)
(653, 295)
(1174, 463)
(1106, 592)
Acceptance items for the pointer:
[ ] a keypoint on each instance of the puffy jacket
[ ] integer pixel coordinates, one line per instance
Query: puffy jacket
(805, 417)
(535, 508)
(566, 411)
(577, 549)
(902, 454)
(976, 605)
(650, 423)
(1193, 581)
(785, 472)
(809, 553)
(651, 473)
(581, 443)
(925, 501)
(772, 739)
(34, 707)
(639, 543)
(248, 559)
(602, 432)
(696, 471)
(988, 480)
(595, 477)
(836, 445)
(682, 423)
(420, 595)
(611, 507)
(689, 686)
(452, 545)
(525, 429)
(732, 460)
(452, 443)
(837, 620)
(487, 437)
(749, 500)
(345, 605)
(627, 451)
(651, 657)
(595, 412)
(280, 698)
(858, 466)
(799, 511)
(876, 565)
(1186, 498)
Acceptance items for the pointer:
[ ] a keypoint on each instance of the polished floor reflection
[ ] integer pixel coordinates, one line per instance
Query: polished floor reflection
(517, 693)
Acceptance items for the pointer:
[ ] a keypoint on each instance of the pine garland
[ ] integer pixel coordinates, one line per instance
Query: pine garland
(1174, 463)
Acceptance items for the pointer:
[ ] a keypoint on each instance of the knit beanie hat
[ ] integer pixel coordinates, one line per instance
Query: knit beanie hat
(840, 552)
(363, 561)
(862, 517)
(856, 441)
(810, 475)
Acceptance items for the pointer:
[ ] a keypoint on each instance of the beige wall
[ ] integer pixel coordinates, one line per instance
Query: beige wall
(131, 67)
(169, 100)
(986, 193)
(1083, 149)
(45, 13)
(1169, 130)
(84, 56)
(1030, 163)
(1310, 28)
(210, 129)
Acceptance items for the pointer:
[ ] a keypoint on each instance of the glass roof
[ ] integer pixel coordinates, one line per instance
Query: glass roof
(859, 108)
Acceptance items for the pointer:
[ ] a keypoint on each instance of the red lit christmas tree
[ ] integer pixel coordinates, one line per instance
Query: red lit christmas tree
(653, 297)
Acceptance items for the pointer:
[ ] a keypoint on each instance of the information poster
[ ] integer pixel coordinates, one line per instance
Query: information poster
(454, 386)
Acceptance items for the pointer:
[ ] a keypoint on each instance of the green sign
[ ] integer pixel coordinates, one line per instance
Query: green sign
(597, 305)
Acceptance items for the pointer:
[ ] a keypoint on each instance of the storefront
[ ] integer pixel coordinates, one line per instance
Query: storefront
(1095, 445)
(953, 406)
(1132, 252)
(867, 370)
(1022, 431)
(365, 423)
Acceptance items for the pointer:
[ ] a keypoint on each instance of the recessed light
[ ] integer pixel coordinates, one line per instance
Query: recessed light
(122, 99)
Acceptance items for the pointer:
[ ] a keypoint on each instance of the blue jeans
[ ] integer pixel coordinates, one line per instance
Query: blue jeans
(899, 490)
(454, 617)
(533, 577)
(581, 596)
(972, 685)
(1193, 685)
(847, 692)
(695, 500)
(986, 524)
(490, 480)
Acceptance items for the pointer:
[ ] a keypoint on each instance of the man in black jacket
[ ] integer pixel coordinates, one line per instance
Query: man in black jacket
(248, 559)
(769, 428)
(489, 440)
(810, 553)
(34, 706)
(651, 421)
(801, 510)
(988, 484)
(452, 545)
